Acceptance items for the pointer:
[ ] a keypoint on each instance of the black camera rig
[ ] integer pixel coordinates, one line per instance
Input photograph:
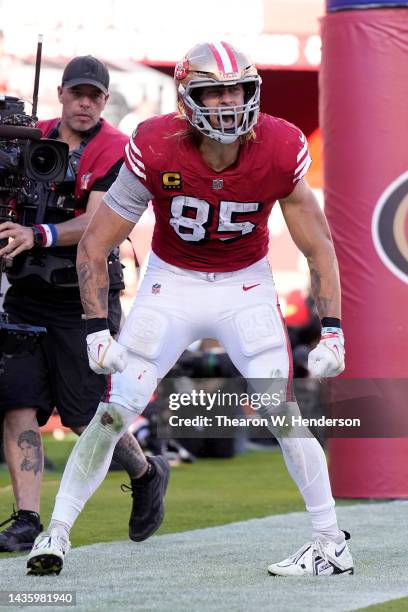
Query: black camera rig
(27, 161)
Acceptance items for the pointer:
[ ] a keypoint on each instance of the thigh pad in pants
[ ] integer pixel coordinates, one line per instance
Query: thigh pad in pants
(144, 332)
(259, 328)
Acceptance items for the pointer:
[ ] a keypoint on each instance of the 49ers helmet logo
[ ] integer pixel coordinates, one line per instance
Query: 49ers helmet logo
(181, 70)
(390, 227)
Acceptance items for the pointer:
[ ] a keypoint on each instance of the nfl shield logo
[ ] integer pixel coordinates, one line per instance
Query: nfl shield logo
(218, 183)
(156, 288)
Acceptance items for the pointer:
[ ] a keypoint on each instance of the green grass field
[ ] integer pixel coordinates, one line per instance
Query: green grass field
(396, 605)
(205, 494)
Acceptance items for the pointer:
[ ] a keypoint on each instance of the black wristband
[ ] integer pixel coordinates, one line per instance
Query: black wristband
(95, 325)
(331, 322)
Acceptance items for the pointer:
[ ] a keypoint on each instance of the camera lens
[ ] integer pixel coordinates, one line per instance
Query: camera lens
(44, 160)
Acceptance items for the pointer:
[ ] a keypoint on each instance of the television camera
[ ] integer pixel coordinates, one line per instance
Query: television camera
(28, 165)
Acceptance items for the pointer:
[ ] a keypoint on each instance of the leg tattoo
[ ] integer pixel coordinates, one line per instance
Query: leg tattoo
(29, 442)
(130, 456)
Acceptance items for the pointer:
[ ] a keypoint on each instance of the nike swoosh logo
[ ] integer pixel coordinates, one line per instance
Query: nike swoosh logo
(338, 553)
(99, 349)
(336, 352)
(247, 288)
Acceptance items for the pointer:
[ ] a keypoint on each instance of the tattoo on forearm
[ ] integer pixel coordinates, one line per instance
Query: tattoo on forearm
(103, 293)
(315, 282)
(130, 456)
(323, 304)
(94, 286)
(29, 442)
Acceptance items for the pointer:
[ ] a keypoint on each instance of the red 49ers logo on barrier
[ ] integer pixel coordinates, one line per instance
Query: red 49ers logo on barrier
(390, 227)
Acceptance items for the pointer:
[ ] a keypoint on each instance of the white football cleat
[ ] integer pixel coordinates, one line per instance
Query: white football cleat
(47, 554)
(318, 558)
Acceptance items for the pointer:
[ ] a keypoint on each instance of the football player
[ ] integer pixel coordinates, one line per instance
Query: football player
(213, 172)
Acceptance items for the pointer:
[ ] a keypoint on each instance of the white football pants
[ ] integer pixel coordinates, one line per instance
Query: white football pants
(173, 308)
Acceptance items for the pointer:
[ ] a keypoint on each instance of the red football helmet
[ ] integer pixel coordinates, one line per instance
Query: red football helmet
(215, 64)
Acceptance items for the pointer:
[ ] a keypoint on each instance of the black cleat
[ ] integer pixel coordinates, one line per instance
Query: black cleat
(22, 532)
(148, 501)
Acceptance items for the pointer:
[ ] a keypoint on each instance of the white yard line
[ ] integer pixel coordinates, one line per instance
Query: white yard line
(224, 568)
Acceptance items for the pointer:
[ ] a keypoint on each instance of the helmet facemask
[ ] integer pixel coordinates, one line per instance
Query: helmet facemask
(244, 117)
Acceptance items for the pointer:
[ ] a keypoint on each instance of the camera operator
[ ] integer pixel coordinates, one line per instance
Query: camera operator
(44, 291)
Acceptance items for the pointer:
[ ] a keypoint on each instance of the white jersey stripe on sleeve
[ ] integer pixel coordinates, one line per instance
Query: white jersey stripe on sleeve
(133, 165)
(302, 152)
(302, 169)
(135, 160)
(135, 148)
(302, 165)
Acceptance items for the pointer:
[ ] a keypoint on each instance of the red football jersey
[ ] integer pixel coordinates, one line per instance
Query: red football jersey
(215, 221)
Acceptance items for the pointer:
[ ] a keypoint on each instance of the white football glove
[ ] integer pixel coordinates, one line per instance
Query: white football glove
(327, 359)
(105, 355)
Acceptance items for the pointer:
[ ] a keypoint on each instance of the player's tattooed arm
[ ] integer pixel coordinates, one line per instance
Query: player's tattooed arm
(105, 231)
(323, 304)
(94, 286)
(310, 231)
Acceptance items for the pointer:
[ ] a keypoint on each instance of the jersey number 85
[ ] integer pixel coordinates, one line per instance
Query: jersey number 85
(195, 229)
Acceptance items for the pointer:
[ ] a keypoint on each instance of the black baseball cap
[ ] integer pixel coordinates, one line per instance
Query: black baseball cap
(86, 70)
